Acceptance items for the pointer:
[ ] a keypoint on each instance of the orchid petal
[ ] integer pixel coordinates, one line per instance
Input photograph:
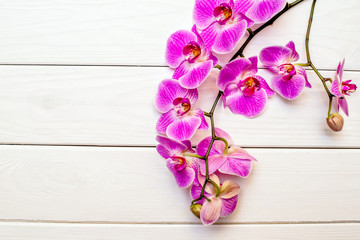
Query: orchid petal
(340, 69)
(183, 128)
(236, 166)
(210, 187)
(294, 55)
(221, 133)
(302, 71)
(175, 44)
(200, 114)
(252, 69)
(196, 189)
(165, 120)
(231, 72)
(275, 56)
(242, 6)
(229, 189)
(214, 163)
(228, 206)
(228, 36)
(210, 211)
(249, 106)
(168, 91)
(344, 105)
(335, 88)
(204, 145)
(262, 10)
(187, 143)
(204, 12)
(289, 89)
(183, 178)
(264, 85)
(169, 147)
(196, 74)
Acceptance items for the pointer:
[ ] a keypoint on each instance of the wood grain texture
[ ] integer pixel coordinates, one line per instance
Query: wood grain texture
(115, 106)
(133, 185)
(41, 231)
(135, 32)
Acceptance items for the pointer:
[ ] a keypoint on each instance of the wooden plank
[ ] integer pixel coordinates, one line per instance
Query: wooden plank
(133, 185)
(135, 32)
(41, 231)
(115, 106)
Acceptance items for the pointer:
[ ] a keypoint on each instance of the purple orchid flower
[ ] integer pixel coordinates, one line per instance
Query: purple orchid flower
(342, 88)
(179, 120)
(245, 93)
(289, 80)
(223, 201)
(223, 23)
(233, 161)
(193, 61)
(183, 168)
(261, 11)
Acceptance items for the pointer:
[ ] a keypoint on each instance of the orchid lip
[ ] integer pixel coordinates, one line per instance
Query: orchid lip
(182, 106)
(348, 87)
(223, 13)
(192, 51)
(179, 163)
(249, 86)
(287, 69)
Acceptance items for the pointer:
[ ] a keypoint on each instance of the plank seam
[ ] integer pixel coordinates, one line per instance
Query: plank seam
(125, 65)
(179, 223)
(154, 146)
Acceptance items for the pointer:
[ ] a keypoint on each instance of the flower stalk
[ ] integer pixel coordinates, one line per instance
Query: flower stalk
(210, 114)
(308, 57)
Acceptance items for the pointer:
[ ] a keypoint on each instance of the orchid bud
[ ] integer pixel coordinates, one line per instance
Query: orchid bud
(195, 209)
(335, 121)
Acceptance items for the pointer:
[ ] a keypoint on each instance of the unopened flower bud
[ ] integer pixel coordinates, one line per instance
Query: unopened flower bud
(195, 209)
(335, 121)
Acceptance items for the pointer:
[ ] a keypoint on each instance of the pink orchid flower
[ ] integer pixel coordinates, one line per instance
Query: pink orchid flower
(342, 88)
(245, 93)
(223, 202)
(233, 161)
(261, 11)
(182, 167)
(179, 120)
(223, 23)
(289, 80)
(193, 61)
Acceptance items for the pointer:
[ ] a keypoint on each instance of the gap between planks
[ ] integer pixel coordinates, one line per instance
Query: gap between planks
(124, 65)
(179, 223)
(154, 146)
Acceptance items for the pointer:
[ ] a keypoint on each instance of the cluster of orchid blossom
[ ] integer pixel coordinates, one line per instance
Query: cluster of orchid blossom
(219, 26)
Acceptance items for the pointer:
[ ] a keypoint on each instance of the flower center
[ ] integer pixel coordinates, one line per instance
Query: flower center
(347, 87)
(223, 13)
(287, 69)
(192, 51)
(249, 86)
(179, 163)
(182, 106)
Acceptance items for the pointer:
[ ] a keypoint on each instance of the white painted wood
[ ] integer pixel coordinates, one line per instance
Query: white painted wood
(115, 106)
(133, 185)
(135, 32)
(44, 231)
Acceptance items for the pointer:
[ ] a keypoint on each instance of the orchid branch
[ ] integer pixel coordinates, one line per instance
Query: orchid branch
(210, 114)
(308, 57)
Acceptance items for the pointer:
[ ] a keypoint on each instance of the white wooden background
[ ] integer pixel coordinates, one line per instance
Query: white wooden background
(77, 156)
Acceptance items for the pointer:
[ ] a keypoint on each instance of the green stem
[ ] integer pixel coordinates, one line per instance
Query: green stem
(252, 34)
(211, 113)
(194, 155)
(308, 57)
